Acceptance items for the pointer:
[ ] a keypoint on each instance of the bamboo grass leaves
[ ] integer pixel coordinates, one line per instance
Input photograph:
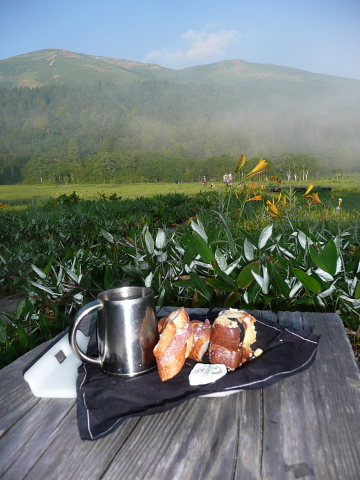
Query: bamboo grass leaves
(228, 275)
(264, 236)
(278, 272)
(197, 264)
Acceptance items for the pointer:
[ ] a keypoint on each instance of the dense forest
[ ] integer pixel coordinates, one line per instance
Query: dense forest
(162, 131)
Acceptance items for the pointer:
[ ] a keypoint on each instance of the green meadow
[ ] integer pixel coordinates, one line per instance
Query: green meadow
(30, 194)
(22, 194)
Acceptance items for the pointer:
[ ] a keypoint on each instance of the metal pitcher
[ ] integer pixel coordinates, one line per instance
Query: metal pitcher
(126, 331)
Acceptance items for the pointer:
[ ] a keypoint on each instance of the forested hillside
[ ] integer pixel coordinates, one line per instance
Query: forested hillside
(167, 129)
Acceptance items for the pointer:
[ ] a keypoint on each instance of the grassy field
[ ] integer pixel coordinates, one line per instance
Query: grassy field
(32, 193)
(17, 195)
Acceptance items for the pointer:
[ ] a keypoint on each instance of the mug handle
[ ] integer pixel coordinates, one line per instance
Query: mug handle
(83, 312)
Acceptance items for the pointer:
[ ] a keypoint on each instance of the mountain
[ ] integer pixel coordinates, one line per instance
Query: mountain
(54, 66)
(62, 111)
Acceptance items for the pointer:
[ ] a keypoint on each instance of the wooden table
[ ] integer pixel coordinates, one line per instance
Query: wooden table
(304, 427)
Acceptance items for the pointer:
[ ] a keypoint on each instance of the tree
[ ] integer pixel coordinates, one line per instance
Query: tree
(297, 167)
(37, 169)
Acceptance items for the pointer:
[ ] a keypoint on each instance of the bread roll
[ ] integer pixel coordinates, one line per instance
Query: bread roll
(201, 342)
(227, 333)
(230, 358)
(174, 345)
(232, 335)
(231, 319)
(162, 323)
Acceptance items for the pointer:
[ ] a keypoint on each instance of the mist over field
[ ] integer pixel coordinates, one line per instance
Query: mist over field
(66, 115)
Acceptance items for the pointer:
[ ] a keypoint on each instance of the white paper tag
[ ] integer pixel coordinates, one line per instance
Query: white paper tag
(204, 373)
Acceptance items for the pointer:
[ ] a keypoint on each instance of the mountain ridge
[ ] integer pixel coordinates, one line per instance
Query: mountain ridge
(54, 66)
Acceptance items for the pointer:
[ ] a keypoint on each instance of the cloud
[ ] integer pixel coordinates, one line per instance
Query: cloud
(199, 47)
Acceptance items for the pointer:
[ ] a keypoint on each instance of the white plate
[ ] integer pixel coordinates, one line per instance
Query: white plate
(221, 394)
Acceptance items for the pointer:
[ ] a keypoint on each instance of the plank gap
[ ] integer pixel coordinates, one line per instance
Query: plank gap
(238, 433)
(102, 475)
(11, 425)
(262, 421)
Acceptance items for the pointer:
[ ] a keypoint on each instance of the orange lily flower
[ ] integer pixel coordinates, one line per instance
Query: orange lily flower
(274, 208)
(309, 190)
(315, 198)
(256, 173)
(256, 197)
(241, 162)
(260, 166)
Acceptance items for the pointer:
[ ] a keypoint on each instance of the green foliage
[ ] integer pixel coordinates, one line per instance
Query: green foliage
(64, 200)
(191, 250)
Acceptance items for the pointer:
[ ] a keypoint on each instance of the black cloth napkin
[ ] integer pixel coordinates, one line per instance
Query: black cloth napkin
(105, 401)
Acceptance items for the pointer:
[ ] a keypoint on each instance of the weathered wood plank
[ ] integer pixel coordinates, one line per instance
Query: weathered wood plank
(293, 319)
(264, 457)
(30, 436)
(196, 440)
(16, 396)
(264, 313)
(334, 391)
(286, 452)
(250, 441)
(335, 350)
(310, 421)
(60, 454)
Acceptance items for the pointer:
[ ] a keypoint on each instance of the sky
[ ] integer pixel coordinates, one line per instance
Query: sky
(320, 36)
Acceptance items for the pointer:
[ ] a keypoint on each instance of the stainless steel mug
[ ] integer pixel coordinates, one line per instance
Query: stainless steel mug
(126, 331)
